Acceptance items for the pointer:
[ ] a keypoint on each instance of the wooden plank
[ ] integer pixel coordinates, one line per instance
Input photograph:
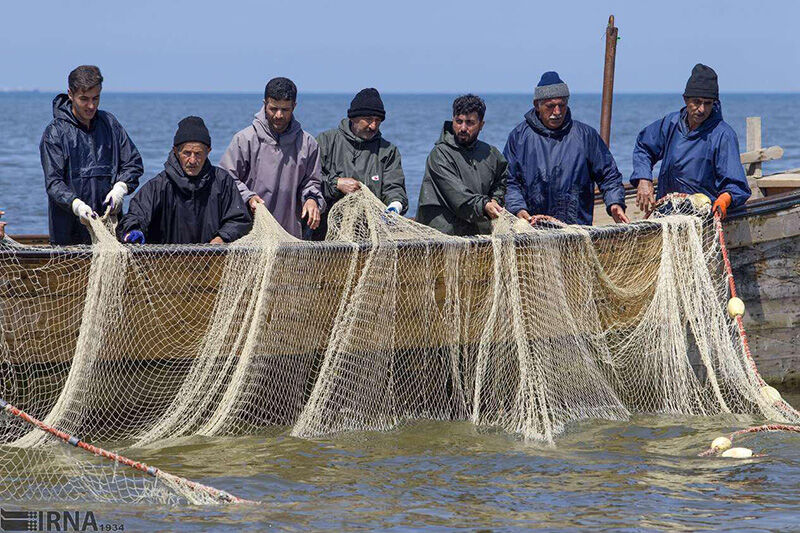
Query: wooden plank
(759, 155)
(753, 168)
(780, 180)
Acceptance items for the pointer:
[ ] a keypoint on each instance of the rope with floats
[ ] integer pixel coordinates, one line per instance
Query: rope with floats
(216, 494)
(722, 445)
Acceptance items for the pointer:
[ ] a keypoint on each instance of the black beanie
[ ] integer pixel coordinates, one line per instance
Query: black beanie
(192, 129)
(367, 103)
(702, 83)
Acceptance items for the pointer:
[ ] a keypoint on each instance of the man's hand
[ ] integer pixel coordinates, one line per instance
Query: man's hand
(2, 226)
(114, 198)
(83, 211)
(311, 210)
(394, 207)
(524, 215)
(135, 237)
(645, 199)
(217, 240)
(722, 204)
(618, 214)
(492, 209)
(347, 185)
(251, 203)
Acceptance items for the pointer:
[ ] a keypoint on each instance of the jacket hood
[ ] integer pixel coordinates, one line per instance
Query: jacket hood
(62, 109)
(708, 124)
(265, 133)
(344, 127)
(533, 120)
(448, 137)
(186, 184)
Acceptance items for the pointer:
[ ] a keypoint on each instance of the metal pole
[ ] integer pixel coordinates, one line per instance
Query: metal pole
(608, 81)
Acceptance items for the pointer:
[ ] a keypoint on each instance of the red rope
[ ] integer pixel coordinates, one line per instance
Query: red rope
(745, 344)
(768, 427)
(150, 470)
(732, 287)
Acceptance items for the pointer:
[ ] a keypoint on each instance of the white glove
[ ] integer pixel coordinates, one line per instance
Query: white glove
(82, 211)
(114, 198)
(394, 207)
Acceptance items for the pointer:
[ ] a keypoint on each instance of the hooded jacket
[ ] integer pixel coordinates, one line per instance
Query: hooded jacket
(553, 172)
(173, 208)
(459, 181)
(374, 162)
(705, 160)
(283, 169)
(83, 163)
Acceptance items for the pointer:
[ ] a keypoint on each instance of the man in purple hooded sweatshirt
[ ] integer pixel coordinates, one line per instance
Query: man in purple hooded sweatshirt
(276, 163)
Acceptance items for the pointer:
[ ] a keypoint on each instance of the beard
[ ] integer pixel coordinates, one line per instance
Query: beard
(466, 140)
(366, 135)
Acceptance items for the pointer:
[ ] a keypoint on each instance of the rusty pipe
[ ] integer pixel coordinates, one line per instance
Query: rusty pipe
(608, 81)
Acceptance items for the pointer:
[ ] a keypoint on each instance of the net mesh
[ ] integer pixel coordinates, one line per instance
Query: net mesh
(526, 330)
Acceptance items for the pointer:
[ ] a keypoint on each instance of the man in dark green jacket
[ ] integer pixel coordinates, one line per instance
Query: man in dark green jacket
(465, 179)
(356, 154)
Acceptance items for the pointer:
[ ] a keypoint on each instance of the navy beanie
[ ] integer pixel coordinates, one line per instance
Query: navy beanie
(192, 129)
(367, 103)
(550, 86)
(702, 83)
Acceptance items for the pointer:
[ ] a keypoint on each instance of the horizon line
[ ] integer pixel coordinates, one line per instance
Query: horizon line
(394, 93)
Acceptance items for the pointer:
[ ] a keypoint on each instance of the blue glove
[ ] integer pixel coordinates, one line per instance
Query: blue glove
(135, 237)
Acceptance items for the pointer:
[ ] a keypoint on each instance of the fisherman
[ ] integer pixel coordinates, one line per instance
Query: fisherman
(190, 201)
(465, 179)
(276, 163)
(89, 161)
(554, 162)
(2, 226)
(699, 152)
(356, 154)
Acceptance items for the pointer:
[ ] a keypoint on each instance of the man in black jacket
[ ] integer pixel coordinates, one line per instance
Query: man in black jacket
(191, 201)
(465, 179)
(89, 162)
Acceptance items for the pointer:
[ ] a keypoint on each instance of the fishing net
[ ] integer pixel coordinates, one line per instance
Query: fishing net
(526, 331)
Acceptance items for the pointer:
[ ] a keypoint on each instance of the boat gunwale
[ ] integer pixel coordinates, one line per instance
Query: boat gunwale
(34, 252)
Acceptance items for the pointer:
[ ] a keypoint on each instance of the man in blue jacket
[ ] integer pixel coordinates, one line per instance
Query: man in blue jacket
(89, 161)
(554, 162)
(699, 152)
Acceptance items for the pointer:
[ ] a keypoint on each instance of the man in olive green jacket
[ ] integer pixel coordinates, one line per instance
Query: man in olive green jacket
(355, 154)
(465, 179)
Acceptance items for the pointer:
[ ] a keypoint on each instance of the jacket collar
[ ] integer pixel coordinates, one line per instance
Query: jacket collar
(62, 110)
(265, 133)
(448, 137)
(536, 124)
(708, 124)
(186, 184)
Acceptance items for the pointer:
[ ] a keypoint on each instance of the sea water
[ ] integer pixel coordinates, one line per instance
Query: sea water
(641, 475)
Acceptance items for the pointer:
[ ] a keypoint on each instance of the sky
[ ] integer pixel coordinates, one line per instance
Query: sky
(406, 46)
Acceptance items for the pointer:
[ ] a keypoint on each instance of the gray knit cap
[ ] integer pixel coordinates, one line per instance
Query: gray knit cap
(551, 86)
